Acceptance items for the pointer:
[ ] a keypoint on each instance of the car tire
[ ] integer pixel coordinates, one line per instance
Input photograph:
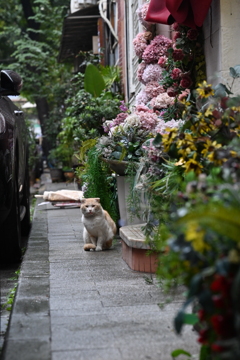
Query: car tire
(26, 222)
(10, 251)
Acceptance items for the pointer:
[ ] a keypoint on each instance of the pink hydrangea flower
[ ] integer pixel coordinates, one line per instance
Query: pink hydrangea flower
(142, 98)
(140, 44)
(176, 73)
(157, 48)
(162, 101)
(143, 108)
(152, 72)
(153, 89)
(148, 120)
(140, 71)
(162, 126)
(119, 119)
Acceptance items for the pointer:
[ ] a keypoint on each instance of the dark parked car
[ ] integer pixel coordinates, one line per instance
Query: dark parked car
(14, 175)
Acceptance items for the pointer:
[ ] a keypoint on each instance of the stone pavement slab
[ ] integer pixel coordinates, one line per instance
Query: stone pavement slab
(77, 305)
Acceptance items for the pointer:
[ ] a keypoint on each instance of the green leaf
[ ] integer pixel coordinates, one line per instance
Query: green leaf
(93, 81)
(205, 353)
(195, 285)
(108, 95)
(178, 352)
(220, 90)
(179, 319)
(222, 220)
(157, 140)
(235, 71)
(190, 319)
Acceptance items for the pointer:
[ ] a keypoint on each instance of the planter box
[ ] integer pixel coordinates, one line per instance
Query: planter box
(135, 250)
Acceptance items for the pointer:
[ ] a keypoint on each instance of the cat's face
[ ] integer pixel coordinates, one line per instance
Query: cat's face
(91, 206)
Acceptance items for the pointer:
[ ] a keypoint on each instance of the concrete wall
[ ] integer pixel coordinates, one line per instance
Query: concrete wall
(222, 41)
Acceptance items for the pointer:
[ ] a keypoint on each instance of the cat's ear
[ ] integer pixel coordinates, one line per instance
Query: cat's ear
(83, 201)
(97, 199)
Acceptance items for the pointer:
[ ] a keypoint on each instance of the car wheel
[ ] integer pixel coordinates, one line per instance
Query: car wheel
(10, 251)
(26, 222)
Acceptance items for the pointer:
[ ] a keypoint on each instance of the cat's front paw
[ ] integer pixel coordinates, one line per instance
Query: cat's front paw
(98, 248)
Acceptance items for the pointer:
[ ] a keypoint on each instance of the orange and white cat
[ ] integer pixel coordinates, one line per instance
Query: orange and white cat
(99, 228)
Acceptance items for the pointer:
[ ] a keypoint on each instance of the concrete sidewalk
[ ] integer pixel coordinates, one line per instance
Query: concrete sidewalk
(76, 305)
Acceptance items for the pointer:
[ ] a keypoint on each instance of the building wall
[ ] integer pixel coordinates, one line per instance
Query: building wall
(222, 41)
(122, 39)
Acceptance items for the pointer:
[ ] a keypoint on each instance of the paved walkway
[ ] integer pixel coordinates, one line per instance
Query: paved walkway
(76, 305)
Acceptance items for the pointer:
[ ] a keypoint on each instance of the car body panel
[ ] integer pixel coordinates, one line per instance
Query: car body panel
(13, 153)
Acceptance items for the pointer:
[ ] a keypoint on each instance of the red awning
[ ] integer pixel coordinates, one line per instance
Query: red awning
(186, 12)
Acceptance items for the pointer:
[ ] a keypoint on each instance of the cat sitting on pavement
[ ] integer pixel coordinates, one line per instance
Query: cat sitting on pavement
(99, 228)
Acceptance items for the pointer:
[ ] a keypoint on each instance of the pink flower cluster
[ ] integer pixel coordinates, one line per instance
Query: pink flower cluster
(158, 47)
(142, 12)
(107, 126)
(119, 119)
(152, 72)
(140, 70)
(152, 152)
(163, 127)
(140, 42)
(141, 98)
(148, 120)
(162, 101)
(153, 89)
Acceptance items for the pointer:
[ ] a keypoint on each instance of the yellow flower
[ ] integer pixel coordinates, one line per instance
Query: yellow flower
(209, 110)
(168, 138)
(185, 151)
(193, 165)
(210, 147)
(233, 153)
(205, 90)
(202, 126)
(187, 142)
(212, 157)
(195, 234)
(180, 162)
(235, 108)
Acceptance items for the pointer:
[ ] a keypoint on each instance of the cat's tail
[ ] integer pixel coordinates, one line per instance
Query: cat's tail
(88, 247)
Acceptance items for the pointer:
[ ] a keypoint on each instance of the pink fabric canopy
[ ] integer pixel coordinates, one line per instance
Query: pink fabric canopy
(186, 12)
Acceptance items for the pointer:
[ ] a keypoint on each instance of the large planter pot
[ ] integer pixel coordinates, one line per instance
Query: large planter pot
(119, 167)
(56, 175)
(123, 188)
(69, 175)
